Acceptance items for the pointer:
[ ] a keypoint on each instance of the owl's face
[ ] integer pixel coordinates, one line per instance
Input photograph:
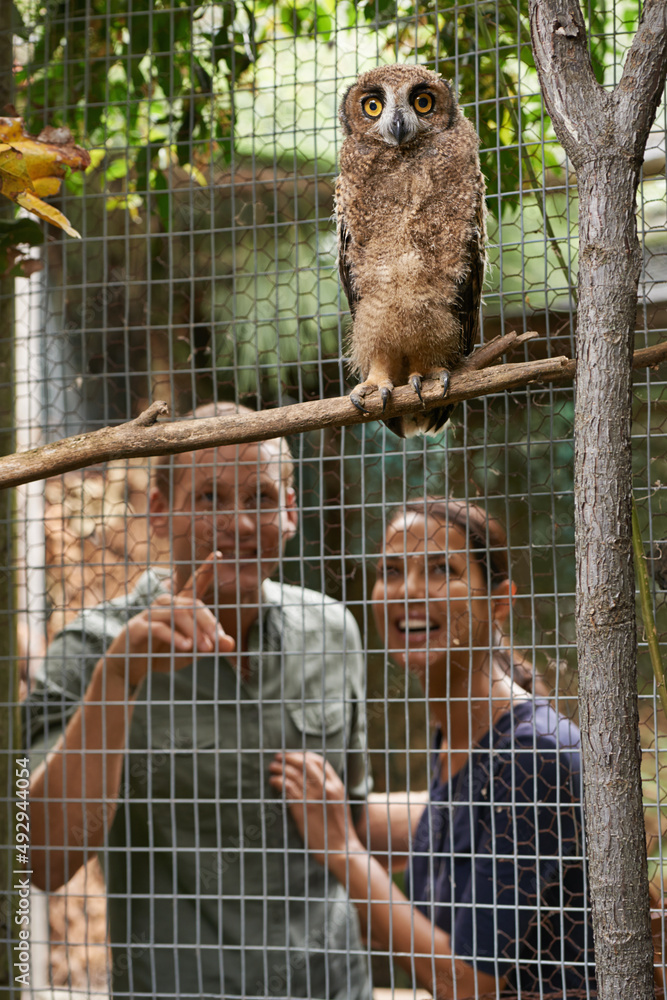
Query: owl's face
(396, 104)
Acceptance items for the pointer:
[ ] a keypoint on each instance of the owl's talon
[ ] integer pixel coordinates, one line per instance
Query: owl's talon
(356, 400)
(416, 383)
(386, 396)
(444, 378)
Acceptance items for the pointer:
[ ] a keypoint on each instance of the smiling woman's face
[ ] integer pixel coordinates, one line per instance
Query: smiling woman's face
(430, 597)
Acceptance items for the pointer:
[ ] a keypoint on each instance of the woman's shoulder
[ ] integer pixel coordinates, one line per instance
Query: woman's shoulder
(533, 723)
(540, 748)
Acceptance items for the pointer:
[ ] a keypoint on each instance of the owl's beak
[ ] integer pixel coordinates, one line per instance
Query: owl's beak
(399, 127)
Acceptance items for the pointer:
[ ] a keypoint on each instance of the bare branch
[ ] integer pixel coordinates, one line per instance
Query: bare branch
(575, 101)
(488, 353)
(643, 81)
(584, 115)
(142, 437)
(150, 416)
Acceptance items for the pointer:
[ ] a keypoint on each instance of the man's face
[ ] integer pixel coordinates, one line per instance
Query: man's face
(232, 500)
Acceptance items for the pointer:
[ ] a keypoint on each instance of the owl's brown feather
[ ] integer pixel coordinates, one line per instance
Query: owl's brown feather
(344, 239)
(410, 234)
(470, 289)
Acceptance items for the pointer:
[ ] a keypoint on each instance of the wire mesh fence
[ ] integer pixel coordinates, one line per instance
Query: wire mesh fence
(371, 625)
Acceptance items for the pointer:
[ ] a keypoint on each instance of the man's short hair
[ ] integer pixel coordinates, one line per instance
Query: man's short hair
(165, 463)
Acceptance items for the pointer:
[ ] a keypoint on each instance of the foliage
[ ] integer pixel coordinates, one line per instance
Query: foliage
(174, 79)
(185, 91)
(32, 167)
(15, 234)
(198, 85)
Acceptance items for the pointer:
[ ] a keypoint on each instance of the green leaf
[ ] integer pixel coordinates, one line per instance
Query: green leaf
(15, 231)
(116, 169)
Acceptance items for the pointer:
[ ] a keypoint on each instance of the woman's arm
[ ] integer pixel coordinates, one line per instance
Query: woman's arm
(389, 822)
(658, 919)
(317, 804)
(417, 945)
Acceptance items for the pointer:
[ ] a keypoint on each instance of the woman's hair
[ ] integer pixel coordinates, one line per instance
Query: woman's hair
(487, 545)
(487, 541)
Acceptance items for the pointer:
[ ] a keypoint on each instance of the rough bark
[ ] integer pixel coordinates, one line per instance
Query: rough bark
(604, 134)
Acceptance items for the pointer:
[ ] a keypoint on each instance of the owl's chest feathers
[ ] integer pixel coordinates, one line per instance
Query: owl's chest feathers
(426, 202)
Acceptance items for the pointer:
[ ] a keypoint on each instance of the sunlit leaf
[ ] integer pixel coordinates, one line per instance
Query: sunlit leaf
(45, 211)
(31, 168)
(44, 187)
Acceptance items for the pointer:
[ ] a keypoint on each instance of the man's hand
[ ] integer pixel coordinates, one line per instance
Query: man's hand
(316, 799)
(172, 631)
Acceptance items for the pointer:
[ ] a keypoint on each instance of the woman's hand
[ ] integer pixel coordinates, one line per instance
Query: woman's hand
(316, 799)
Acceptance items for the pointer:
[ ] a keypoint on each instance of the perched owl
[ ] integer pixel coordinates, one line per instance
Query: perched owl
(410, 217)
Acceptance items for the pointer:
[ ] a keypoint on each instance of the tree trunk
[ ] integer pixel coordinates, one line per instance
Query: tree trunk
(606, 632)
(604, 134)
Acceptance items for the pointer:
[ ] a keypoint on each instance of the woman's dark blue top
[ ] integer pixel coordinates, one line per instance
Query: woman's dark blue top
(497, 858)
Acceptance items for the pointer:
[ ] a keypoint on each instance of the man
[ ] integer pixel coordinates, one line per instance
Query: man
(178, 698)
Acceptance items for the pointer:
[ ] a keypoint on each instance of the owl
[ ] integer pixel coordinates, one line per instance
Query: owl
(410, 220)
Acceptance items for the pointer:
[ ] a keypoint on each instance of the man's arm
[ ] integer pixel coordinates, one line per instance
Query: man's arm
(73, 792)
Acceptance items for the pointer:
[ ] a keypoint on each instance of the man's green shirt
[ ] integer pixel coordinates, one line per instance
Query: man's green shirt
(210, 891)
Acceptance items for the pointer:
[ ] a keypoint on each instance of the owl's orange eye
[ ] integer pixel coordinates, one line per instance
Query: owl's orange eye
(423, 103)
(372, 106)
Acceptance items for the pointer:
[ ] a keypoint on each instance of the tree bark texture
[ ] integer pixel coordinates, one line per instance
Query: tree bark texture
(604, 133)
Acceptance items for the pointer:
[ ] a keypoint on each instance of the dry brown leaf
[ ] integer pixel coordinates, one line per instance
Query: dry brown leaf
(31, 168)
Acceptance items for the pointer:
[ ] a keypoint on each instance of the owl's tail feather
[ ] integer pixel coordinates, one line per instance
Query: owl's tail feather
(411, 424)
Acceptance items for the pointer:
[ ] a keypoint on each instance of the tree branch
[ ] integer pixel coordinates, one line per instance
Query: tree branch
(585, 116)
(143, 437)
(643, 79)
(577, 104)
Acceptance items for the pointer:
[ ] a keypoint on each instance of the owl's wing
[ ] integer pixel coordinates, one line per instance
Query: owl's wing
(470, 290)
(344, 269)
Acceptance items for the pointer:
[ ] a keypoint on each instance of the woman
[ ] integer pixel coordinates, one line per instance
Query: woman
(495, 883)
